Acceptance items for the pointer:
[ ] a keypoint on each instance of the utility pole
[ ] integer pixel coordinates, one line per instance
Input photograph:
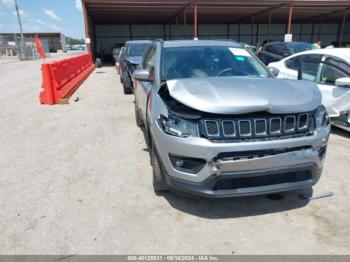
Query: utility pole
(20, 29)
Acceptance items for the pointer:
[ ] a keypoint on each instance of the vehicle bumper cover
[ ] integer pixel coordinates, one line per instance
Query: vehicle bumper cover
(306, 159)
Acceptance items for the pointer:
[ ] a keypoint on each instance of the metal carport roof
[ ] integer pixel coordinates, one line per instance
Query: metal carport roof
(212, 11)
(103, 12)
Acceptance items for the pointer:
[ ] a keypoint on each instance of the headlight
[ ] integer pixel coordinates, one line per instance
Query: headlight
(178, 127)
(322, 118)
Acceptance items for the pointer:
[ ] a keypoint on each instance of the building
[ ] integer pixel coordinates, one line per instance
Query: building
(109, 23)
(52, 42)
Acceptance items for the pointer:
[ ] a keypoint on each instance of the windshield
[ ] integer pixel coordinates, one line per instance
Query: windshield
(192, 62)
(116, 51)
(137, 49)
(299, 47)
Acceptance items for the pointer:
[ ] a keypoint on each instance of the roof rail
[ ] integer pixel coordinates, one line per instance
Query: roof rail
(225, 39)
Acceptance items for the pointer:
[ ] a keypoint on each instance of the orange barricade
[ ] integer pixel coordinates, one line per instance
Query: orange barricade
(61, 78)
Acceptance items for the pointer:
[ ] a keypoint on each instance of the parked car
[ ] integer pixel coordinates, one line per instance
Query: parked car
(330, 70)
(129, 60)
(275, 51)
(117, 59)
(219, 124)
(115, 53)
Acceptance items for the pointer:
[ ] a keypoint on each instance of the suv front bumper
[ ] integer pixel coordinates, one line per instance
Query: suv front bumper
(225, 177)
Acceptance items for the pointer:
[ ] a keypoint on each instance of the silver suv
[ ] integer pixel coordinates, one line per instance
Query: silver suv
(219, 124)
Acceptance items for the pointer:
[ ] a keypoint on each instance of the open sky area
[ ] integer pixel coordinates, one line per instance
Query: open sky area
(43, 16)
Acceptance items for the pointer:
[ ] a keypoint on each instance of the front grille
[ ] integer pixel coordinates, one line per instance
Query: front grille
(270, 126)
(228, 127)
(275, 125)
(212, 127)
(257, 181)
(289, 124)
(245, 128)
(303, 121)
(260, 127)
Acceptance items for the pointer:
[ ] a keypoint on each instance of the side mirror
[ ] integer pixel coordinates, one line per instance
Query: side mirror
(142, 75)
(274, 71)
(343, 82)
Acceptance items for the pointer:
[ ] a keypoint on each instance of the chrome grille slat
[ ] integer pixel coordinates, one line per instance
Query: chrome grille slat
(260, 127)
(289, 124)
(245, 128)
(275, 125)
(303, 120)
(212, 127)
(228, 127)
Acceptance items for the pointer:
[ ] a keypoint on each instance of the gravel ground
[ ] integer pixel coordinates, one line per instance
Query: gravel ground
(76, 179)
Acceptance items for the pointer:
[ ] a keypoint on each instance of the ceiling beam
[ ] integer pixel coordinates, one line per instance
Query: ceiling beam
(262, 12)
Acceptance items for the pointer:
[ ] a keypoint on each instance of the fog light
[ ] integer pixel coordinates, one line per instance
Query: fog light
(322, 152)
(187, 164)
(179, 163)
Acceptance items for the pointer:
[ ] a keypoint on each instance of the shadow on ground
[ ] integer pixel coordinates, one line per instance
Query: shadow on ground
(236, 207)
(340, 132)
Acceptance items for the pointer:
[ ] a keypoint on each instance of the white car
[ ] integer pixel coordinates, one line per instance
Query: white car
(330, 69)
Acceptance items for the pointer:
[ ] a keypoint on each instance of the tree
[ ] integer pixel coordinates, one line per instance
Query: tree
(74, 41)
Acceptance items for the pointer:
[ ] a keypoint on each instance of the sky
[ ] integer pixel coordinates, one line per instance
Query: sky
(63, 16)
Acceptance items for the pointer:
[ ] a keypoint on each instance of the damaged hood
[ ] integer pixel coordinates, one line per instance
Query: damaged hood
(232, 95)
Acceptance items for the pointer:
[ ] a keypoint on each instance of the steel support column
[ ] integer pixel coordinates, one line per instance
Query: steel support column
(164, 31)
(269, 27)
(239, 32)
(289, 30)
(342, 29)
(319, 29)
(195, 18)
(252, 31)
(87, 27)
(176, 28)
(130, 32)
(185, 23)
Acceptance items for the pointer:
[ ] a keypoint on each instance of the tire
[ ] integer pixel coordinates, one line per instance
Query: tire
(98, 62)
(159, 183)
(126, 83)
(138, 119)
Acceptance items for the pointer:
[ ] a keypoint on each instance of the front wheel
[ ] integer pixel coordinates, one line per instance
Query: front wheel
(138, 119)
(159, 183)
(126, 83)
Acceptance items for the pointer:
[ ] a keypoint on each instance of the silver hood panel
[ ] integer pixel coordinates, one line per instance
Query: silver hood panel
(232, 95)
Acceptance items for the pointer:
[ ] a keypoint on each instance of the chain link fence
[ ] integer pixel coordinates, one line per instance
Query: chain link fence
(10, 46)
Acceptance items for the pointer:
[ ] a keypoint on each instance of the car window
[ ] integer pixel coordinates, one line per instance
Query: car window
(210, 61)
(149, 61)
(295, 47)
(266, 47)
(332, 70)
(310, 66)
(281, 50)
(278, 49)
(292, 63)
(270, 48)
(137, 49)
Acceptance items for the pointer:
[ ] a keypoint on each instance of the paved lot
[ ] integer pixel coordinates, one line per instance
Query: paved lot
(76, 179)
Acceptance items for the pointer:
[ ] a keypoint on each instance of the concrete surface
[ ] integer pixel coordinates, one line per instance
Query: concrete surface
(76, 179)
